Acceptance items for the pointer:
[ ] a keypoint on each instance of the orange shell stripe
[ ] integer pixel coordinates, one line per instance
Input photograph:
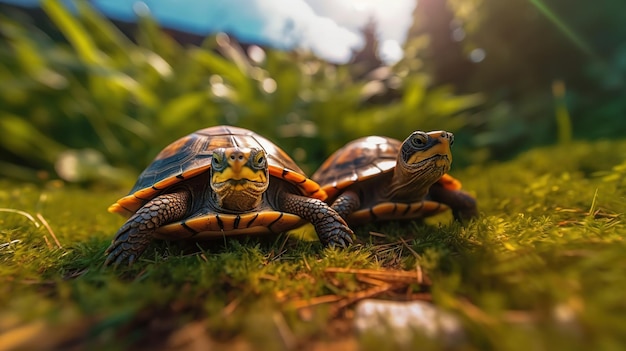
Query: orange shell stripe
(396, 211)
(449, 182)
(131, 203)
(309, 187)
(217, 225)
(334, 189)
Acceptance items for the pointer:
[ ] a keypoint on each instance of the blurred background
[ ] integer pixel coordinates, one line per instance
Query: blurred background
(90, 91)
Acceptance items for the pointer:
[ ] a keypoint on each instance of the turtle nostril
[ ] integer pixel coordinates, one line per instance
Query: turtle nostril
(237, 155)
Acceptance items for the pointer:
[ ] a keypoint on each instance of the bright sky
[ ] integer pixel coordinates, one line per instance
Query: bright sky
(329, 28)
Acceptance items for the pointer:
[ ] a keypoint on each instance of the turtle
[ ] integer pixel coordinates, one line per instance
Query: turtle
(377, 178)
(221, 181)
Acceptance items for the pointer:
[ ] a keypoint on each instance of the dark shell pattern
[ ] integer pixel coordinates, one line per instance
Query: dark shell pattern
(191, 155)
(359, 160)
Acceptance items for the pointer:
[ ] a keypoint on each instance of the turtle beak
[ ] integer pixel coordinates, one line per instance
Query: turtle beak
(441, 146)
(237, 159)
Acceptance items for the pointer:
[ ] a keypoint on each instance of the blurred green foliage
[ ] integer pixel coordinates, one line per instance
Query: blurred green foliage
(93, 97)
(530, 45)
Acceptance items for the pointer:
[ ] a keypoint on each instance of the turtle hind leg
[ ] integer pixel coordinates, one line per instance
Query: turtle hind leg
(331, 229)
(135, 235)
(463, 205)
(346, 203)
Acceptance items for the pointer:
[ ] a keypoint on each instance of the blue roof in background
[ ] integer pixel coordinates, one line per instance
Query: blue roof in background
(329, 28)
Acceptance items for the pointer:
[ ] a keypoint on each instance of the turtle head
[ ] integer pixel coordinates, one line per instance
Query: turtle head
(239, 177)
(423, 159)
(430, 149)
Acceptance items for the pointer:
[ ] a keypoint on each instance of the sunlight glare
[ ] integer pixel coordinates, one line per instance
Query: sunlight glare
(391, 51)
(141, 9)
(477, 55)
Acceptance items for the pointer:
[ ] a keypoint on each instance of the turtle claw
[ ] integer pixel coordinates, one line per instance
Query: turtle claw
(128, 244)
(117, 255)
(335, 232)
(340, 242)
(120, 252)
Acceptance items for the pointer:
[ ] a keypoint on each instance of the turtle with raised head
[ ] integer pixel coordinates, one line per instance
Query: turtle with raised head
(379, 178)
(216, 182)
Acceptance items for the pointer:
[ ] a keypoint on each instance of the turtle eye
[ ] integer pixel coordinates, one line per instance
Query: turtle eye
(419, 139)
(260, 160)
(217, 160)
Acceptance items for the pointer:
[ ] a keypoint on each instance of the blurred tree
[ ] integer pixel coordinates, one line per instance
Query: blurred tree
(366, 59)
(445, 57)
(514, 51)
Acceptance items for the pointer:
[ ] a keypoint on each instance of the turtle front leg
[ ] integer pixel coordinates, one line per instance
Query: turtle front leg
(135, 235)
(463, 205)
(346, 203)
(331, 229)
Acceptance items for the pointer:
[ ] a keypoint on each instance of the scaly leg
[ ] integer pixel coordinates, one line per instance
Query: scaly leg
(134, 236)
(346, 203)
(331, 229)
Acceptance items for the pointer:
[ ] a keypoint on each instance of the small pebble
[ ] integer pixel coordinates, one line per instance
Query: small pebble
(401, 320)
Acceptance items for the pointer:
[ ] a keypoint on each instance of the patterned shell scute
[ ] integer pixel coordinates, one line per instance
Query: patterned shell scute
(195, 151)
(191, 155)
(358, 160)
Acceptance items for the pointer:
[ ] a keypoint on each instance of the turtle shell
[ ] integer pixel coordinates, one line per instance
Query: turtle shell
(191, 155)
(363, 159)
(359, 160)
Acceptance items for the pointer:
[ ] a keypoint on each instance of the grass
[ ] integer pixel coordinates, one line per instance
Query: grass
(542, 268)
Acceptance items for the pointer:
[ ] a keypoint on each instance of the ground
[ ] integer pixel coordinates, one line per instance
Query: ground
(542, 268)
